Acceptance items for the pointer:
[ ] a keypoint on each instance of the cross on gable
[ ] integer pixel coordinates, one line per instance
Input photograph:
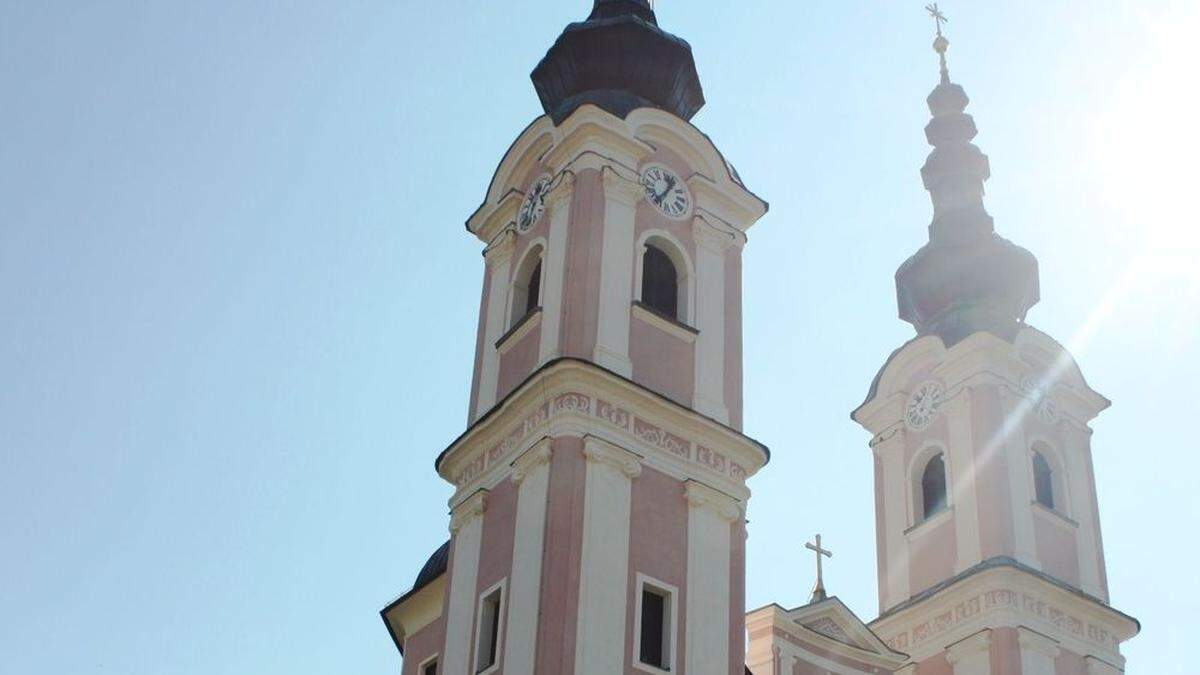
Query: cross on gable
(818, 593)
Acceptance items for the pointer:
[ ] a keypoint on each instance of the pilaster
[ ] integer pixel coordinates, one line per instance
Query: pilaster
(895, 487)
(971, 656)
(1038, 652)
(1010, 431)
(962, 478)
(531, 474)
(1081, 488)
(621, 195)
(711, 245)
(710, 514)
(498, 257)
(466, 526)
(558, 210)
(604, 565)
(1096, 666)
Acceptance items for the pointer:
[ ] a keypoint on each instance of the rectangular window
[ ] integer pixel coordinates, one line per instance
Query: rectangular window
(656, 620)
(487, 643)
(430, 668)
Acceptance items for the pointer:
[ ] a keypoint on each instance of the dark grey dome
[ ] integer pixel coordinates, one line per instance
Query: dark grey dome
(434, 567)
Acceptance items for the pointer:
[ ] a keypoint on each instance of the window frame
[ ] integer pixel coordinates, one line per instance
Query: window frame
(500, 587)
(685, 273)
(670, 630)
(518, 283)
(1059, 480)
(429, 660)
(916, 490)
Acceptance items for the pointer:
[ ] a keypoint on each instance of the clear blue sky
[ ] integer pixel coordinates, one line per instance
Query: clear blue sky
(239, 305)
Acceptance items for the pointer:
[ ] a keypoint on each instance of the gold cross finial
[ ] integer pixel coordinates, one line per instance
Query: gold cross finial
(818, 593)
(938, 17)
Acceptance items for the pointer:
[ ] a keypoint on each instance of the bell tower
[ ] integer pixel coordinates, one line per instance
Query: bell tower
(598, 519)
(988, 529)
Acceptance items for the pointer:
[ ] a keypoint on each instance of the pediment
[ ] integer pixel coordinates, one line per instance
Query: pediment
(830, 621)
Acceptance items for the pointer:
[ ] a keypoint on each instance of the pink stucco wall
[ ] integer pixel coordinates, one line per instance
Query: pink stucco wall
(479, 341)
(932, 555)
(993, 489)
(1056, 548)
(658, 549)
(561, 558)
(581, 291)
(733, 336)
(423, 644)
(496, 547)
(518, 362)
(662, 361)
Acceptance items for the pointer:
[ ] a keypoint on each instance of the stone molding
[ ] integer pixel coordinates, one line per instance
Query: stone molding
(699, 495)
(552, 403)
(501, 250)
(1006, 597)
(1031, 640)
(710, 237)
(537, 456)
(599, 451)
(1097, 666)
(561, 190)
(965, 649)
(620, 188)
(467, 510)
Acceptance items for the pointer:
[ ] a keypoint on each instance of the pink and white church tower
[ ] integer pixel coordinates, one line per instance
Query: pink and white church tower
(598, 519)
(988, 530)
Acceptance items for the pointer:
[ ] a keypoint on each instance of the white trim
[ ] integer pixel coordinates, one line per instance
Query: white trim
(531, 472)
(962, 480)
(895, 499)
(467, 523)
(1015, 449)
(1091, 557)
(499, 262)
(528, 323)
(710, 515)
(425, 664)
(604, 558)
(501, 587)
(536, 247)
(616, 273)
(685, 271)
(554, 270)
(1060, 474)
(670, 635)
(709, 318)
(1038, 652)
(665, 325)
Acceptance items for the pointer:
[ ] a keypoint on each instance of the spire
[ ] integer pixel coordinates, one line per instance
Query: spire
(618, 59)
(967, 278)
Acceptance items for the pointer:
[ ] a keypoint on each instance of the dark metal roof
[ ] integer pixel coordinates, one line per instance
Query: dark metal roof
(620, 60)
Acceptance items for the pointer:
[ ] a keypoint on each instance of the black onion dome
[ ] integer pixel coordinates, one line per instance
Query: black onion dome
(620, 60)
(434, 567)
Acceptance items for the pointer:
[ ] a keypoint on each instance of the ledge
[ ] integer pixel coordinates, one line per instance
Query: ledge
(1053, 514)
(930, 523)
(665, 324)
(520, 330)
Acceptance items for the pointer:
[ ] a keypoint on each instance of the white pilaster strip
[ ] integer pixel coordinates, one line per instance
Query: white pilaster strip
(1020, 476)
(616, 272)
(1037, 652)
(1097, 667)
(1081, 489)
(499, 259)
(466, 525)
(531, 472)
(895, 486)
(971, 656)
(558, 206)
(711, 245)
(710, 514)
(604, 568)
(963, 480)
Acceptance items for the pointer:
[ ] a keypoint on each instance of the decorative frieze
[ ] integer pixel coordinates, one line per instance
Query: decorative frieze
(614, 418)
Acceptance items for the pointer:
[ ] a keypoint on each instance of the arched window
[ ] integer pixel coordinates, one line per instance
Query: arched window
(527, 287)
(660, 282)
(1043, 481)
(933, 487)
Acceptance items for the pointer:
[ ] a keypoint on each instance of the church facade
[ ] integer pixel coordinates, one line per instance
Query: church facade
(598, 519)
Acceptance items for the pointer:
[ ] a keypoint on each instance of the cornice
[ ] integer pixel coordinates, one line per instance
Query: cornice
(468, 509)
(501, 249)
(621, 188)
(978, 643)
(533, 459)
(713, 238)
(701, 496)
(730, 204)
(571, 397)
(600, 451)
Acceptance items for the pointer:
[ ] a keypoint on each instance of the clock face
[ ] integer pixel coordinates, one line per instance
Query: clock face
(1043, 402)
(667, 191)
(923, 405)
(534, 204)
(1047, 409)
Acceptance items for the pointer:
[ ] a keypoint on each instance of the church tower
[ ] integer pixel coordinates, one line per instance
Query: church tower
(597, 524)
(988, 529)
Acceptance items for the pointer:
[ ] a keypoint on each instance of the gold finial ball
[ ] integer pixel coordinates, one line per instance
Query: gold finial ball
(941, 44)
